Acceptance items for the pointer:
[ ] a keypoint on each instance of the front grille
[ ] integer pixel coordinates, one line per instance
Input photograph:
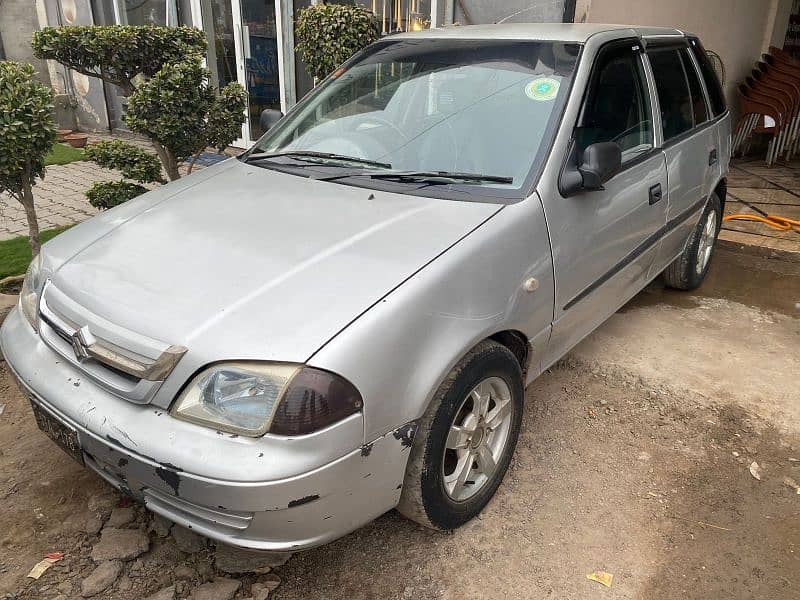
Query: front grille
(125, 363)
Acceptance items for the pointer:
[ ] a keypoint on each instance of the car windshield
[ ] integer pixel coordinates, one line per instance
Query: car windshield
(416, 107)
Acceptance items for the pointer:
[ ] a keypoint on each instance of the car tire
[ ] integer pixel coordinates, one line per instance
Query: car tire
(688, 270)
(483, 393)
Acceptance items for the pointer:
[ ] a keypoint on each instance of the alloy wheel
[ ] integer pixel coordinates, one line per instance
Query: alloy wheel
(477, 438)
(706, 245)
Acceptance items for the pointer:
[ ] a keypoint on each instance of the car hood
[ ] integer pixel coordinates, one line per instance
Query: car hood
(253, 263)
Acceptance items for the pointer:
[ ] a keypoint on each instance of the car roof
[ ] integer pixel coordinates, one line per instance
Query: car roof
(557, 32)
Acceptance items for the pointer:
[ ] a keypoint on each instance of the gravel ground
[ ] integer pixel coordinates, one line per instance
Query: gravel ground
(633, 467)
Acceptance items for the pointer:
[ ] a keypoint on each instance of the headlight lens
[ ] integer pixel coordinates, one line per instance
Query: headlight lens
(251, 399)
(29, 295)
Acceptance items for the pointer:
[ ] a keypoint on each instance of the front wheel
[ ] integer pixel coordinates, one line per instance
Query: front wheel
(690, 268)
(465, 440)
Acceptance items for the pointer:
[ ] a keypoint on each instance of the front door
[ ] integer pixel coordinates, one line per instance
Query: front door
(243, 46)
(604, 241)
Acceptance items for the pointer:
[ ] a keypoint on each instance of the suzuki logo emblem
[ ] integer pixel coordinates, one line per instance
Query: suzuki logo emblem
(81, 340)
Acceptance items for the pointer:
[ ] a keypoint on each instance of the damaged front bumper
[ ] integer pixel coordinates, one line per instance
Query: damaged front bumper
(247, 492)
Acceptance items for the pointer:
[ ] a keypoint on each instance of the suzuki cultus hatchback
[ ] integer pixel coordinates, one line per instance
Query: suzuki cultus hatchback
(283, 346)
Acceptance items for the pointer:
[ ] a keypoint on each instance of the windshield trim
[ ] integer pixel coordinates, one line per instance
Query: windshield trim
(456, 191)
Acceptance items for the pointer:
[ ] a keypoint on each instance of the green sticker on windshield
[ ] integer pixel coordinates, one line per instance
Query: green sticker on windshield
(543, 89)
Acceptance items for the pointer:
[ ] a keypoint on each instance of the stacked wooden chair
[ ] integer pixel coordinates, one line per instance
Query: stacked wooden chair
(770, 105)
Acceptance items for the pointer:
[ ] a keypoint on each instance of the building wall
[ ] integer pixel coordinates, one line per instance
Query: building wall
(471, 12)
(18, 21)
(738, 30)
(78, 94)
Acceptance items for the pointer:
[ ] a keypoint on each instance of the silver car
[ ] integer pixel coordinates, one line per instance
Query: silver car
(280, 348)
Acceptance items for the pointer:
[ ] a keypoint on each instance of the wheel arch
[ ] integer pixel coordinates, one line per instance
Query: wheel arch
(517, 343)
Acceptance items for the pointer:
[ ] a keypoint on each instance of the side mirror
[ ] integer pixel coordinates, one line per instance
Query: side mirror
(598, 164)
(269, 117)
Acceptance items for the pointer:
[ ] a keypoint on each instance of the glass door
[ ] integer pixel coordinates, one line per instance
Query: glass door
(243, 46)
(260, 41)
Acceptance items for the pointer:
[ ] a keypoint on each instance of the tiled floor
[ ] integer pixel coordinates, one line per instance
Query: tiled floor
(754, 188)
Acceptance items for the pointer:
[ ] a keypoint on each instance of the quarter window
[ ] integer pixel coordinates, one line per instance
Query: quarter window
(674, 95)
(713, 86)
(618, 104)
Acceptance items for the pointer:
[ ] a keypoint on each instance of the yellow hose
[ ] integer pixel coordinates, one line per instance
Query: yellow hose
(774, 221)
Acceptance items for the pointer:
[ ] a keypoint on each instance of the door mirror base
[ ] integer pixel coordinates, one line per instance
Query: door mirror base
(269, 117)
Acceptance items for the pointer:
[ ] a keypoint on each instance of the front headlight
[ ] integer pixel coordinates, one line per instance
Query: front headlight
(252, 398)
(29, 295)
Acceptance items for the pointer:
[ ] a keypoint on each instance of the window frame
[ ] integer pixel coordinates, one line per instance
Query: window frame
(637, 49)
(671, 45)
(651, 45)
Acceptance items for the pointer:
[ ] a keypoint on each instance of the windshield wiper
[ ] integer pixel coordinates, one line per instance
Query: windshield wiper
(304, 154)
(429, 177)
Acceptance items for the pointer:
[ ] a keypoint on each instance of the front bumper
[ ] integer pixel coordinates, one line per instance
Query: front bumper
(178, 469)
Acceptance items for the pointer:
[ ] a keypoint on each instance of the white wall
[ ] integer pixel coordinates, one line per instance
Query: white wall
(738, 30)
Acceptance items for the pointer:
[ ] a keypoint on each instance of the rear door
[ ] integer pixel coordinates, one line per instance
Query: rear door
(604, 241)
(691, 145)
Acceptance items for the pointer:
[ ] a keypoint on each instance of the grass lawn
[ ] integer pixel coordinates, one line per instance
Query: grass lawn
(15, 254)
(61, 154)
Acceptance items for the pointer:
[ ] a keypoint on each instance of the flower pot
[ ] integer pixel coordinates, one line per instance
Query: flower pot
(76, 140)
(61, 133)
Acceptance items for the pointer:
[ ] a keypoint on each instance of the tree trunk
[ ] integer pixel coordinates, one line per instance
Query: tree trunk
(168, 160)
(194, 160)
(30, 212)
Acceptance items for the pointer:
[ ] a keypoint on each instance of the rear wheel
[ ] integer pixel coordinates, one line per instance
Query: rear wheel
(690, 268)
(465, 440)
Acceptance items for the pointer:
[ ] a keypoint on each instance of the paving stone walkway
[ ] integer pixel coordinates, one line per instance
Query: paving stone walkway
(59, 198)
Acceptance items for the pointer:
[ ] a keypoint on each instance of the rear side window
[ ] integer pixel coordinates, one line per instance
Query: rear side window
(699, 108)
(674, 97)
(713, 86)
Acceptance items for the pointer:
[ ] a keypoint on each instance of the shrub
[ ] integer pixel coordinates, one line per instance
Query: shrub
(171, 99)
(27, 132)
(108, 194)
(329, 34)
(133, 162)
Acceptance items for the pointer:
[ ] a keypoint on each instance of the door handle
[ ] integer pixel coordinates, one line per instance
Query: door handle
(655, 193)
(712, 157)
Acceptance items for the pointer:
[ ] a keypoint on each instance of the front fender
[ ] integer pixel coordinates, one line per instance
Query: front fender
(399, 351)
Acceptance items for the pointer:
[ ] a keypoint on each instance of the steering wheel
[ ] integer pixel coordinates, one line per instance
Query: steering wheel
(384, 122)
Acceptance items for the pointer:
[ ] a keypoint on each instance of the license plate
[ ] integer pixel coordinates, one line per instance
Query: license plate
(61, 433)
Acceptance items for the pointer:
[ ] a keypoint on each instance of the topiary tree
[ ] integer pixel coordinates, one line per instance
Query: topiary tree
(118, 54)
(159, 68)
(27, 132)
(133, 162)
(329, 34)
(180, 111)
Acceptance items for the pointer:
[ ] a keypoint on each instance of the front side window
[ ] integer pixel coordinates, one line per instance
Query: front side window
(674, 95)
(617, 108)
(457, 106)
